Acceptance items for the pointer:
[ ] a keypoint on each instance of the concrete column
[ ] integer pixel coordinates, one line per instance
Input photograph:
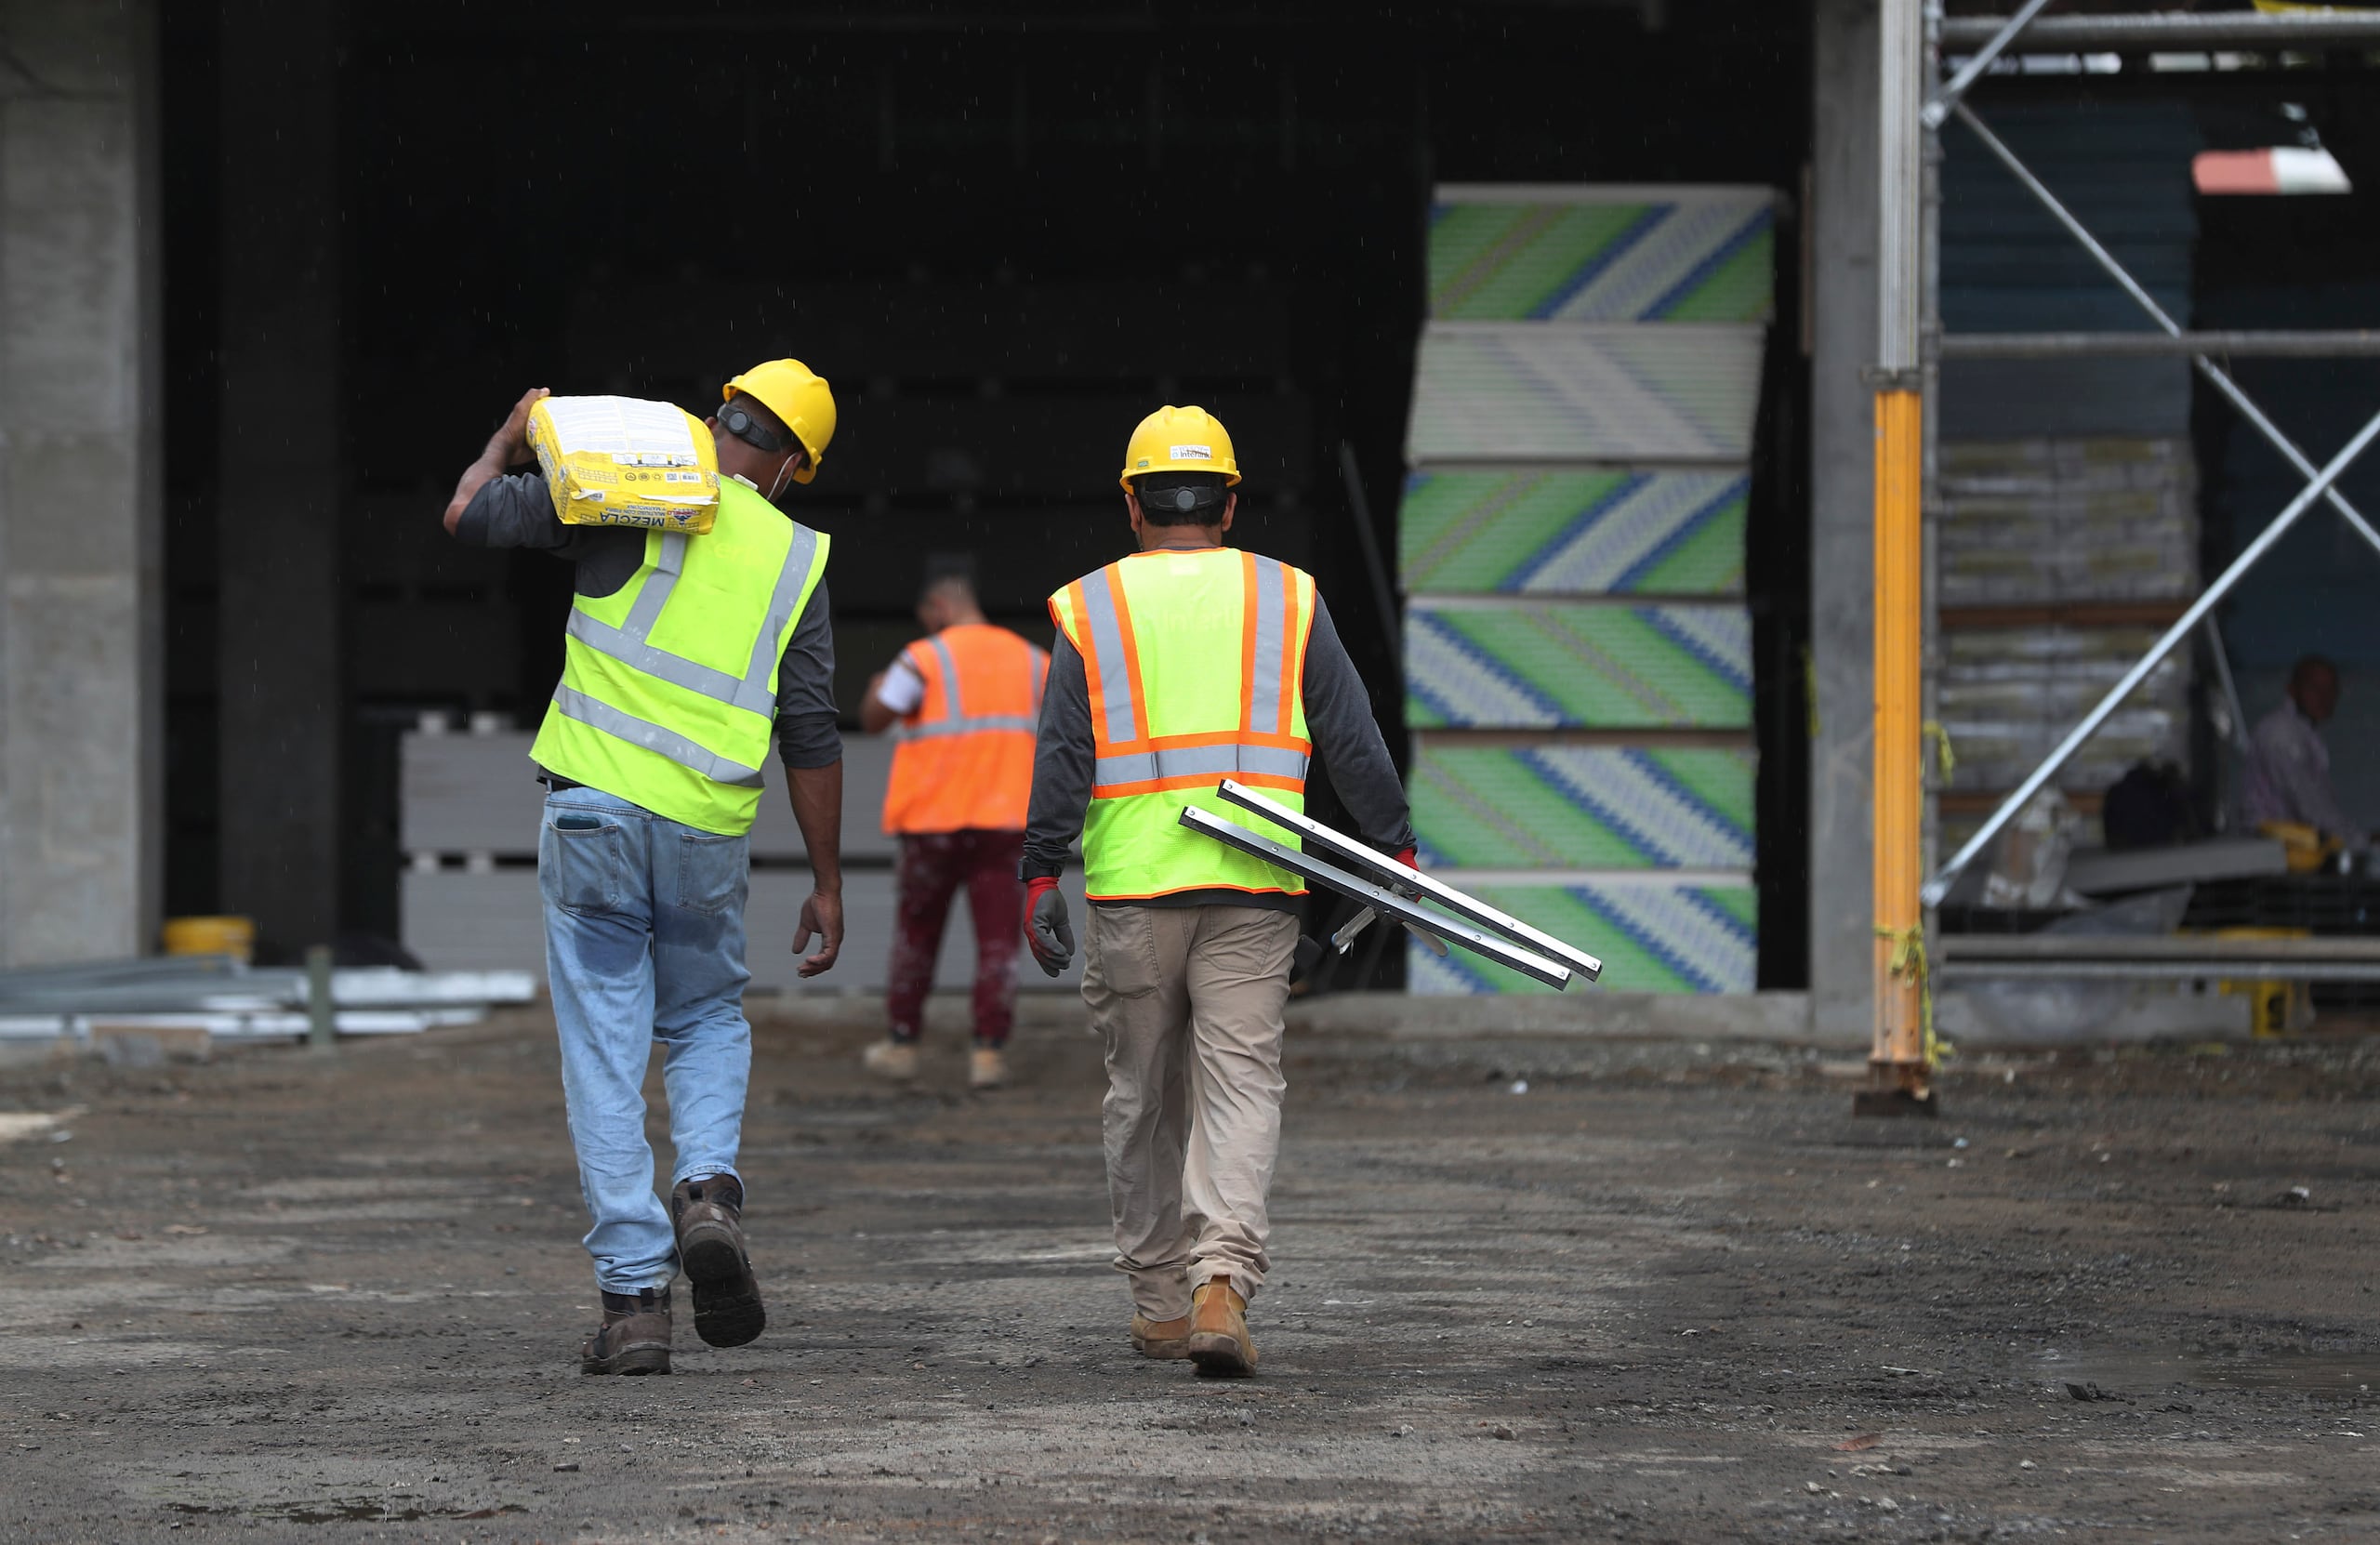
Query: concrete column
(283, 705)
(1842, 199)
(82, 694)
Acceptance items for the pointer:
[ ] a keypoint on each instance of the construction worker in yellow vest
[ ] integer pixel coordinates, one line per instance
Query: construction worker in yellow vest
(684, 656)
(1184, 663)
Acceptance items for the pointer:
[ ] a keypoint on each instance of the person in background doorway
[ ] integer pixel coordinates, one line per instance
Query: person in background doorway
(2289, 768)
(964, 698)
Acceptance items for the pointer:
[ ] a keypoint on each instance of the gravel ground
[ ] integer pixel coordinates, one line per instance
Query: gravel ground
(1525, 1291)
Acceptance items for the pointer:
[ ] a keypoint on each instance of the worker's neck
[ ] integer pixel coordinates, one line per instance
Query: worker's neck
(1180, 538)
(971, 617)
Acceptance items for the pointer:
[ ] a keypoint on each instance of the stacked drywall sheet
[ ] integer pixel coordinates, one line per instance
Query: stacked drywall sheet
(469, 818)
(1578, 654)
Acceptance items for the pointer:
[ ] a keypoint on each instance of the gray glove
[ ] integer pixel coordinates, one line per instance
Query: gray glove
(1046, 933)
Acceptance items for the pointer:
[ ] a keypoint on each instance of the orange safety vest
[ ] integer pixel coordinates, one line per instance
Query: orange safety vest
(963, 760)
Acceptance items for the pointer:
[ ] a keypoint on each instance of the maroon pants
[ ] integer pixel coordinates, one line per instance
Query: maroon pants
(933, 866)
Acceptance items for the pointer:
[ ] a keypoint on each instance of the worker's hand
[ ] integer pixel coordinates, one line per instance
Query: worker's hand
(1409, 861)
(512, 440)
(821, 914)
(1046, 933)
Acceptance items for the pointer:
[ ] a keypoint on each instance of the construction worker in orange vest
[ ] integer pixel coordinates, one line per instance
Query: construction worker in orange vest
(1184, 663)
(964, 697)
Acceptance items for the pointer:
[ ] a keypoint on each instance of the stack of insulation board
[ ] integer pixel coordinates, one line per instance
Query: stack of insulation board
(1578, 653)
(2061, 560)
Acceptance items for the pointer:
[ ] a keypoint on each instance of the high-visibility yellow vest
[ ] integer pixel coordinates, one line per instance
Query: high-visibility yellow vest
(964, 759)
(669, 688)
(1197, 667)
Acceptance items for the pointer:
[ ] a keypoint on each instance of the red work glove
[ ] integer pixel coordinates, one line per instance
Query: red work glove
(1046, 933)
(1406, 857)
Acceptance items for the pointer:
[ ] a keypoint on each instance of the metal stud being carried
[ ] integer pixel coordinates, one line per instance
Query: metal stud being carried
(1381, 884)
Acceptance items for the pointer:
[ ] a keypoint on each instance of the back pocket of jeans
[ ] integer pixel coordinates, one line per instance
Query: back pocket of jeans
(581, 863)
(712, 871)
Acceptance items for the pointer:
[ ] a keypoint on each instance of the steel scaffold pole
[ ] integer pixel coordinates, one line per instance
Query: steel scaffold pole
(2322, 486)
(2216, 374)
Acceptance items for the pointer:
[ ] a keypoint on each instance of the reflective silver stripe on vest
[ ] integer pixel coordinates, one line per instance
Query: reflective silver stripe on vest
(1116, 683)
(652, 737)
(980, 724)
(1264, 693)
(954, 719)
(1198, 762)
(655, 594)
(756, 693)
(631, 643)
(631, 649)
(951, 708)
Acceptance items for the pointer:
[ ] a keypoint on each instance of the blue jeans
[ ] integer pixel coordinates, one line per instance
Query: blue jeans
(645, 943)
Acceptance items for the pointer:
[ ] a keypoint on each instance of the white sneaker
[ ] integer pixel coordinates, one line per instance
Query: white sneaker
(987, 1068)
(895, 1059)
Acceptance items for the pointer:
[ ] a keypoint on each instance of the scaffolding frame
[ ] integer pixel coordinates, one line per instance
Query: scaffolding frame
(1913, 37)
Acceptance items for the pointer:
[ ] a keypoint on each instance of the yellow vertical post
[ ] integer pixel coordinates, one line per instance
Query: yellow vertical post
(1900, 1081)
(1898, 1060)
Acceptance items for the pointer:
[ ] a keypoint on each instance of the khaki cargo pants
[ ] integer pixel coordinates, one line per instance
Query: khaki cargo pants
(1189, 1000)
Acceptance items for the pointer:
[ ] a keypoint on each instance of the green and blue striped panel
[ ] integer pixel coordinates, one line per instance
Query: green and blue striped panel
(1557, 665)
(1556, 533)
(1584, 807)
(1621, 258)
(1651, 938)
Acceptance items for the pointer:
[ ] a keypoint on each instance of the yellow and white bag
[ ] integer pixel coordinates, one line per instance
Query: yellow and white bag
(621, 461)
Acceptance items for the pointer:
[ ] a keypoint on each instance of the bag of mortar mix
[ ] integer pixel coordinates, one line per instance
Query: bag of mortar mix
(621, 461)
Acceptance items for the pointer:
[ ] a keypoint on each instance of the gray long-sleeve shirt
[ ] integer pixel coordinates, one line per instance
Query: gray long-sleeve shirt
(1339, 722)
(517, 512)
(2288, 777)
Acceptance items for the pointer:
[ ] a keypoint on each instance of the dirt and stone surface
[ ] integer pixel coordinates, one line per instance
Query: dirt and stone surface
(1525, 1291)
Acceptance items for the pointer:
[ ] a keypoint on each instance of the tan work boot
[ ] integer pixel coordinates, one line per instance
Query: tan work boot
(987, 1068)
(1163, 1339)
(896, 1061)
(1219, 1340)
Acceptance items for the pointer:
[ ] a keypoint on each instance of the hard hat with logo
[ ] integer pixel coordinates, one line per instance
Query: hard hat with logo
(799, 396)
(1180, 440)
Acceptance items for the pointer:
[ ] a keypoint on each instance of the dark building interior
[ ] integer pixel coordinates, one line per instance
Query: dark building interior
(1004, 232)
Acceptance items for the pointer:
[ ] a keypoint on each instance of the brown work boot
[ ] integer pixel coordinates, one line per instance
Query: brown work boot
(635, 1336)
(1166, 1339)
(1219, 1340)
(708, 1215)
(987, 1068)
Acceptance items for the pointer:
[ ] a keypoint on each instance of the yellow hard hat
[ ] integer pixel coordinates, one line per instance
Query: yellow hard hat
(799, 396)
(1180, 440)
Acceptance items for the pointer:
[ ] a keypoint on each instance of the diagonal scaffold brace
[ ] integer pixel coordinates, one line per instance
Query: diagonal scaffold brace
(1392, 891)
